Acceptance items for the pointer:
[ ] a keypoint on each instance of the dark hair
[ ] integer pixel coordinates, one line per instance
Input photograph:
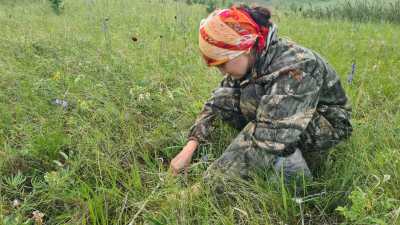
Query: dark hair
(259, 14)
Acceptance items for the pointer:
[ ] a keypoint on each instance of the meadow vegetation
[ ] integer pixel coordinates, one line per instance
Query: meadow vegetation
(95, 101)
(353, 10)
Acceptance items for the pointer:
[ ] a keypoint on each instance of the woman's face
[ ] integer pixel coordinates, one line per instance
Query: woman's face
(237, 67)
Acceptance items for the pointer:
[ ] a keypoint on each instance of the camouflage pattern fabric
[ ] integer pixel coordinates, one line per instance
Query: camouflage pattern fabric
(289, 106)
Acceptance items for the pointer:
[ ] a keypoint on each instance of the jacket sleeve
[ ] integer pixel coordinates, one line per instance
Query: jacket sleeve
(223, 103)
(285, 110)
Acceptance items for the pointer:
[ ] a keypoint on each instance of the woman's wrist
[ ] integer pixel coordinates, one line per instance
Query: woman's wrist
(191, 145)
(193, 140)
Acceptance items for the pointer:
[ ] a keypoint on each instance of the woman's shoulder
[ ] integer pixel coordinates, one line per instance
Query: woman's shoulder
(287, 53)
(291, 48)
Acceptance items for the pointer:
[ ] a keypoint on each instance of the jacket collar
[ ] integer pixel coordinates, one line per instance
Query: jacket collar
(263, 59)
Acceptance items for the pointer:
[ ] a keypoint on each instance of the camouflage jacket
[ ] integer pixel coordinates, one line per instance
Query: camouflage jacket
(275, 101)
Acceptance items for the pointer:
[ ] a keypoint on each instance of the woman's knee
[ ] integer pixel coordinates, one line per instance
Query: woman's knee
(293, 165)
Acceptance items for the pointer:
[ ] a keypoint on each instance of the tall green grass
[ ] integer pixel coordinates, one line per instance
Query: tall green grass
(354, 10)
(134, 81)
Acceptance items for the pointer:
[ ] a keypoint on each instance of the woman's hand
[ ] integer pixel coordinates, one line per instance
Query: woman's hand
(182, 160)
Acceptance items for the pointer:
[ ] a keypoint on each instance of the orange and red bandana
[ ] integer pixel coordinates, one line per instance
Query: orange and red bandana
(228, 33)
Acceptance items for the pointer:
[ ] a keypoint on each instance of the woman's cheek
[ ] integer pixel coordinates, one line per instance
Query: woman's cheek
(241, 69)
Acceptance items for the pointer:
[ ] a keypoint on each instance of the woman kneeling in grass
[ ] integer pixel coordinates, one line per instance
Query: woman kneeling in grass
(286, 99)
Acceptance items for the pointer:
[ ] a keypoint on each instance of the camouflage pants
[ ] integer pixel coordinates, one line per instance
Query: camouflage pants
(327, 128)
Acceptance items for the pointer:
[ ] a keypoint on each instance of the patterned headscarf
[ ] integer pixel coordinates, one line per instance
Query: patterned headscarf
(228, 33)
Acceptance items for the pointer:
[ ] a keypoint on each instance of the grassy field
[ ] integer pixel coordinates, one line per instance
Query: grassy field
(133, 80)
(353, 10)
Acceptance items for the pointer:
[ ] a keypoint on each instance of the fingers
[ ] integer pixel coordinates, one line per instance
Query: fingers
(186, 170)
(182, 161)
(175, 171)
